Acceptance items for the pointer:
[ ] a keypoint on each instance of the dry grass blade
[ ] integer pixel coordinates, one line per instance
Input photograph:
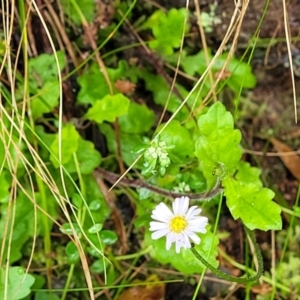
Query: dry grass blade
(288, 43)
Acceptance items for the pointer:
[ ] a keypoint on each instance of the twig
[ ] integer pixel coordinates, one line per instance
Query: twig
(138, 183)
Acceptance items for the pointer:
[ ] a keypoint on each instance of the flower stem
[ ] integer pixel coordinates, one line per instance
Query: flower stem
(243, 280)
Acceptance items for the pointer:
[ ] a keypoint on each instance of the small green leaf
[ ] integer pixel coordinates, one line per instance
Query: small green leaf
(98, 266)
(178, 136)
(108, 237)
(86, 7)
(69, 145)
(218, 144)
(288, 272)
(5, 185)
(43, 295)
(185, 261)
(8, 151)
(77, 200)
(22, 226)
(129, 142)
(108, 109)
(18, 284)
(161, 90)
(253, 205)
(95, 228)
(139, 119)
(43, 69)
(47, 100)
(93, 194)
(95, 205)
(248, 174)
(167, 29)
(193, 64)
(67, 228)
(72, 253)
(87, 156)
(93, 85)
(240, 73)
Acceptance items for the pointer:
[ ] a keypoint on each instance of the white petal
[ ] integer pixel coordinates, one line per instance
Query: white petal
(178, 245)
(200, 230)
(162, 213)
(187, 242)
(180, 242)
(159, 233)
(196, 229)
(170, 240)
(193, 211)
(176, 206)
(198, 222)
(158, 225)
(195, 238)
(184, 205)
(181, 205)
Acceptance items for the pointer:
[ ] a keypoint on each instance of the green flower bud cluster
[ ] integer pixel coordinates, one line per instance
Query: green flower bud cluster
(156, 154)
(182, 188)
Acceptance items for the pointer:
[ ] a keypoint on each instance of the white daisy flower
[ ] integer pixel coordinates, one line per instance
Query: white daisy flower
(179, 225)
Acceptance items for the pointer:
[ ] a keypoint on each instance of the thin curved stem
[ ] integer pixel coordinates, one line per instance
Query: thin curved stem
(243, 280)
(138, 183)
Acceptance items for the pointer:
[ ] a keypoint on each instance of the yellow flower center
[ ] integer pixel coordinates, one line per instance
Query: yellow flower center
(178, 224)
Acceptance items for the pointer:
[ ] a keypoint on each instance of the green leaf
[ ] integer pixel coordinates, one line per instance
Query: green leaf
(288, 272)
(161, 90)
(98, 266)
(87, 156)
(8, 150)
(18, 285)
(95, 228)
(195, 64)
(72, 253)
(93, 196)
(67, 228)
(108, 109)
(253, 205)
(108, 237)
(129, 142)
(167, 29)
(86, 7)
(43, 295)
(52, 210)
(45, 141)
(69, 145)
(43, 68)
(22, 225)
(139, 119)
(217, 146)
(5, 185)
(94, 85)
(185, 261)
(240, 73)
(47, 100)
(95, 205)
(248, 174)
(178, 136)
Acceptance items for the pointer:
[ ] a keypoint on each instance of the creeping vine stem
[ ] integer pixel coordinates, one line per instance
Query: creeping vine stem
(138, 183)
(228, 277)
